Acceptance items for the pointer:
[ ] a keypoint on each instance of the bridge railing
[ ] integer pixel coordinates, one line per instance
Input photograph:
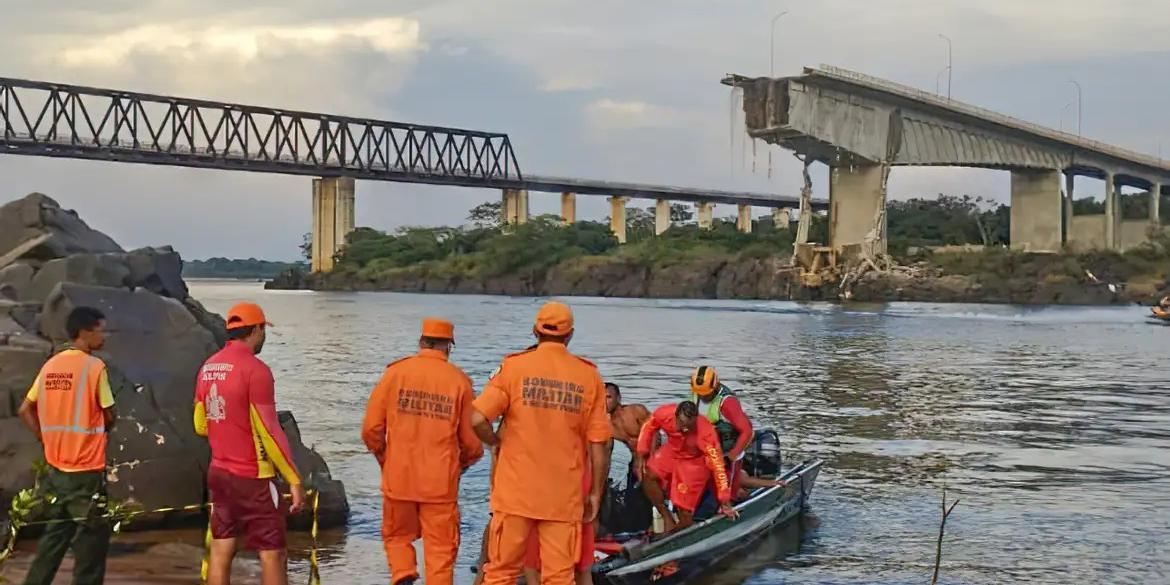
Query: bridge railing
(81, 122)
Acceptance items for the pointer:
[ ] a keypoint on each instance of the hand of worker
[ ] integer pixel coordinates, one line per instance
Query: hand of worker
(779, 483)
(729, 511)
(298, 499)
(592, 507)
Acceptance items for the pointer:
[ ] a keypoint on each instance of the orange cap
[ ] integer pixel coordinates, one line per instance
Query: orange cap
(554, 319)
(246, 315)
(438, 329)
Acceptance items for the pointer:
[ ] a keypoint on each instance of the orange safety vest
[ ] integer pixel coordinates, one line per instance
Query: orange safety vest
(72, 424)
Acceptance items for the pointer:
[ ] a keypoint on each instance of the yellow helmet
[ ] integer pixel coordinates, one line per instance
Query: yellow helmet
(704, 382)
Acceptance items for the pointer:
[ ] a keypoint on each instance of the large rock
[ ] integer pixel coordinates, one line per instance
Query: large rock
(158, 338)
(107, 270)
(36, 214)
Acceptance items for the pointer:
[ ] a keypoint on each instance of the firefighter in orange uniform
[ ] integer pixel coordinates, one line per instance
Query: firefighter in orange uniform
(554, 403)
(70, 409)
(418, 426)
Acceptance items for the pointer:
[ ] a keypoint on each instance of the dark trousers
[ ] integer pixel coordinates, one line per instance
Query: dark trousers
(89, 537)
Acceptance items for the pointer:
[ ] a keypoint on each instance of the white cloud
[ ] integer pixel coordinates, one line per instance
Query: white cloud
(245, 43)
(630, 114)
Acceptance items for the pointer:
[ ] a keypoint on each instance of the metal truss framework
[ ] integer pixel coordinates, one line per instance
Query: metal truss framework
(48, 119)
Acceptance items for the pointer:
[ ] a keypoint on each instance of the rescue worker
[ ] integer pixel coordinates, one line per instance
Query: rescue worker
(682, 468)
(70, 408)
(418, 426)
(235, 408)
(555, 409)
(583, 570)
(718, 404)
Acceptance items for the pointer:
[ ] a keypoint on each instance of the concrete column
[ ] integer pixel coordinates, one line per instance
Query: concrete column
(857, 200)
(515, 207)
(781, 218)
(1155, 204)
(1069, 183)
(617, 217)
(333, 220)
(1111, 212)
(661, 217)
(1036, 210)
(568, 208)
(743, 218)
(706, 214)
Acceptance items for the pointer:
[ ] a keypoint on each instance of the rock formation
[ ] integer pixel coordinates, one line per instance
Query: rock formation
(51, 262)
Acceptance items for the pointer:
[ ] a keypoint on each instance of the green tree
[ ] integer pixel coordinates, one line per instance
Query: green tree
(486, 215)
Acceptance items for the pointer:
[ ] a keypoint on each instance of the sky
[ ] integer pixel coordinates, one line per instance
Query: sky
(597, 89)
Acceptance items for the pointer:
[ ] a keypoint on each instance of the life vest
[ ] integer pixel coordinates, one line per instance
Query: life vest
(728, 434)
(72, 423)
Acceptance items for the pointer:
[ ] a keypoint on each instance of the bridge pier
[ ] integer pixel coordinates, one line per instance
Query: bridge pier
(1112, 213)
(617, 217)
(857, 201)
(1036, 210)
(568, 208)
(514, 207)
(1156, 204)
(661, 217)
(781, 218)
(333, 220)
(743, 218)
(706, 215)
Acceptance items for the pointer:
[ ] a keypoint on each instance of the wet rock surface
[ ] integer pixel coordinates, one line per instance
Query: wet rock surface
(159, 337)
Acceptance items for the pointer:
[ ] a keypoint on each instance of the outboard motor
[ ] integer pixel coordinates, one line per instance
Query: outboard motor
(762, 458)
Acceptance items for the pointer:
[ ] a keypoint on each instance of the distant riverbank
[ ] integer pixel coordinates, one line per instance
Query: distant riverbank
(239, 269)
(971, 277)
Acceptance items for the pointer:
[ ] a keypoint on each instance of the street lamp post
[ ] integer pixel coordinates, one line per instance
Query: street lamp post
(772, 46)
(950, 62)
(1080, 105)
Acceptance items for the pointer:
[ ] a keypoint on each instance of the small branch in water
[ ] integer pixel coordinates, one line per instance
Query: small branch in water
(941, 528)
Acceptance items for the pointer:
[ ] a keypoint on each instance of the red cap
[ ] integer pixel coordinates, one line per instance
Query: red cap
(246, 315)
(438, 329)
(554, 319)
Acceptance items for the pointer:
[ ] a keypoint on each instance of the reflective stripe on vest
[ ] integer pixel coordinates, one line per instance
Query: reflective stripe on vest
(80, 389)
(728, 434)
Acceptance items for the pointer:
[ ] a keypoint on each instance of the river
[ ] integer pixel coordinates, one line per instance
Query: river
(1051, 425)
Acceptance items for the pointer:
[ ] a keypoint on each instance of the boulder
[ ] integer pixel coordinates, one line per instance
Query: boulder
(158, 270)
(333, 507)
(18, 369)
(15, 279)
(35, 215)
(107, 270)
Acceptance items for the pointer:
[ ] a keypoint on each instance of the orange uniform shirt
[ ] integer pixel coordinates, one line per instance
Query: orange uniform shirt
(554, 403)
(702, 442)
(419, 418)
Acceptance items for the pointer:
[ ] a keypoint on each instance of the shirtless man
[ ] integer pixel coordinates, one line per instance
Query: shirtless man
(626, 420)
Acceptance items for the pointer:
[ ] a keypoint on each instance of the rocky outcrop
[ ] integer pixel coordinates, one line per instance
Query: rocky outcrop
(159, 337)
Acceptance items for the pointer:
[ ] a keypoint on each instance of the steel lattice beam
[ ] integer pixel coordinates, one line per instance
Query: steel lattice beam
(48, 119)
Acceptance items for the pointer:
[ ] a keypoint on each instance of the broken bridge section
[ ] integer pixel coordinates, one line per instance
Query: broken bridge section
(862, 126)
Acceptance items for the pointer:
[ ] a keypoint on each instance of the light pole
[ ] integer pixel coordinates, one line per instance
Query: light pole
(1062, 111)
(772, 55)
(1080, 105)
(950, 62)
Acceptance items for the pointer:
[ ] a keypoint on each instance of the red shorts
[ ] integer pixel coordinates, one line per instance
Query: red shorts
(683, 479)
(246, 505)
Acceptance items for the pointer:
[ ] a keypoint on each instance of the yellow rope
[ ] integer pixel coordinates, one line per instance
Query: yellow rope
(314, 571)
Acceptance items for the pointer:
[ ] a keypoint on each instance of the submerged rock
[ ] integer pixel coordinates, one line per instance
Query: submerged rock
(159, 337)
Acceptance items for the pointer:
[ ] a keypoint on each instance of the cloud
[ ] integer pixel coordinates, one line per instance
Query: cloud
(245, 43)
(629, 115)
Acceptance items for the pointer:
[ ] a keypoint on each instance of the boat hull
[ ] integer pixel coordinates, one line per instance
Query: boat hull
(686, 555)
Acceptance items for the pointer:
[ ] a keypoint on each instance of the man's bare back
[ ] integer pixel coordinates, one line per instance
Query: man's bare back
(627, 421)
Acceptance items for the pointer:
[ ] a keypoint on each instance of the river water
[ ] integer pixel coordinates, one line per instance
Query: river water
(1051, 425)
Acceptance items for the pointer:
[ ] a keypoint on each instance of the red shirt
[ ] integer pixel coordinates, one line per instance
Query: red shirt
(702, 442)
(235, 408)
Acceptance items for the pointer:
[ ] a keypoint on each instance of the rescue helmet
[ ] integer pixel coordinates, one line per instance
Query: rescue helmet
(704, 382)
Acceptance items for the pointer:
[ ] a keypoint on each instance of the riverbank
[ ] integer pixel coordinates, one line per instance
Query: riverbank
(988, 276)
